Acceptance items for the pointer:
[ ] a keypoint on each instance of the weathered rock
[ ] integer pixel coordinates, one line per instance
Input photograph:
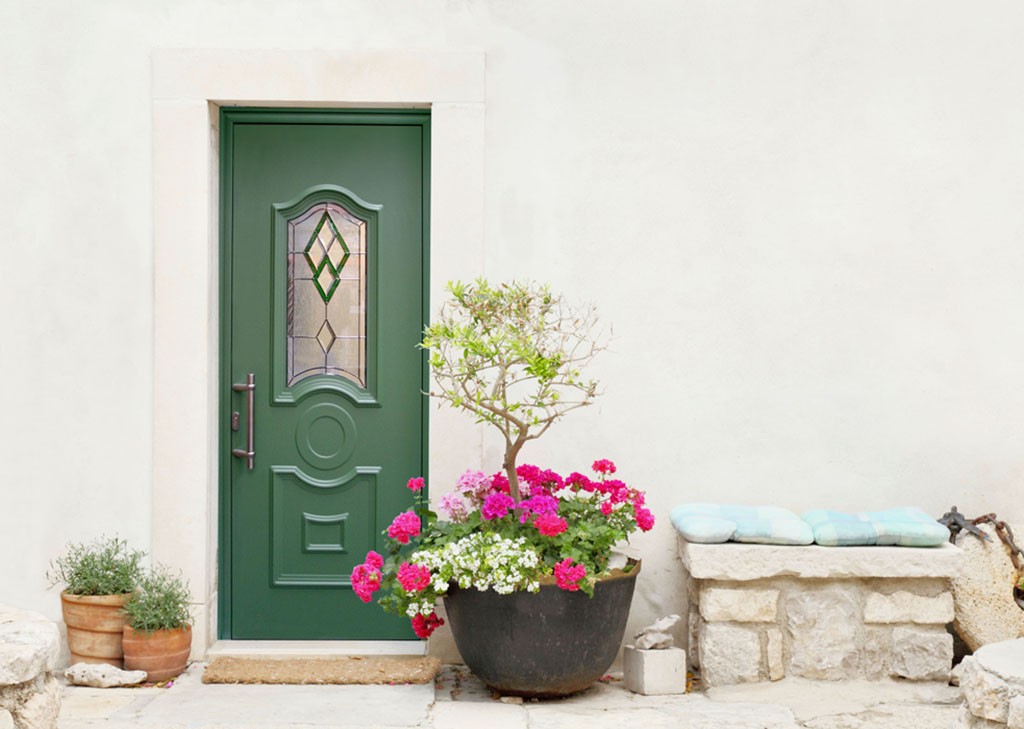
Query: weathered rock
(728, 654)
(29, 645)
(921, 654)
(876, 654)
(822, 626)
(1015, 715)
(992, 678)
(955, 673)
(906, 607)
(773, 652)
(657, 635)
(985, 609)
(41, 709)
(6, 720)
(966, 720)
(722, 604)
(102, 675)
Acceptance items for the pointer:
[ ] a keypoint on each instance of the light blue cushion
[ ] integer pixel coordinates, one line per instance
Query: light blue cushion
(903, 526)
(717, 523)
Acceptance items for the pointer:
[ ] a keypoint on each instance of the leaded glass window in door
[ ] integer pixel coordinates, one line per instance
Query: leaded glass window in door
(326, 317)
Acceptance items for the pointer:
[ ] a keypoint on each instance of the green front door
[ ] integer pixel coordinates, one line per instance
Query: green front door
(323, 300)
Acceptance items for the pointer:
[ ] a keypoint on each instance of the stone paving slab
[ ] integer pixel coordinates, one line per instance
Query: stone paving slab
(460, 700)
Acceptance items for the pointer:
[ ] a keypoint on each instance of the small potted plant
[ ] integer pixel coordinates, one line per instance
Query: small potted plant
(158, 634)
(98, 577)
(522, 557)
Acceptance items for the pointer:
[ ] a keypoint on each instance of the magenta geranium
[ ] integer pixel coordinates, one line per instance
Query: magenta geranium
(564, 532)
(550, 525)
(569, 575)
(405, 526)
(415, 484)
(413, 577)
(496, 506)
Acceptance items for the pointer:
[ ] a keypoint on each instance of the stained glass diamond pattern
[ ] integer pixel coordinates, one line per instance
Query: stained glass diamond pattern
(326, 337)
(326, 254)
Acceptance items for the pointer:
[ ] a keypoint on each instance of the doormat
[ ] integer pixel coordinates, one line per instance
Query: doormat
(339, 670)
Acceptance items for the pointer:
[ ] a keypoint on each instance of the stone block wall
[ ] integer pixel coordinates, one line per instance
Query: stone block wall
(762, 612)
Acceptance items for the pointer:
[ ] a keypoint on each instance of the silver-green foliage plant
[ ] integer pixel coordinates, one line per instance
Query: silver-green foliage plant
(513, 355)
(162, 601)
(103, 567)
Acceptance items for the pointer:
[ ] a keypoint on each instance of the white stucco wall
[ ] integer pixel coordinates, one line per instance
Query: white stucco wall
(803, 219)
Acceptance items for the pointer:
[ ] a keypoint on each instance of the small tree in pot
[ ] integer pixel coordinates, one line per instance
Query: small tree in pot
(513, 356)
(158, 636)
(98, 576)
(524, 541)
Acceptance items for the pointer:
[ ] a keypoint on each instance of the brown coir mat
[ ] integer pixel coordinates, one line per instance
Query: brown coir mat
(337, 670)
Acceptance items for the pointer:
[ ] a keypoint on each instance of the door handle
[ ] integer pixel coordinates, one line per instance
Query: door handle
(248, 387)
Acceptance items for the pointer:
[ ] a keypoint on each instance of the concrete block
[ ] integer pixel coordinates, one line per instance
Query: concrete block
(654, 672)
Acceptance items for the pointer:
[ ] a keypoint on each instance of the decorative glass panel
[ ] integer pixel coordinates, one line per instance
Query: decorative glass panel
(326, 325)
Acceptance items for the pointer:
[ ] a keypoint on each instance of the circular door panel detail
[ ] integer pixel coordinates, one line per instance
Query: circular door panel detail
(325, 436)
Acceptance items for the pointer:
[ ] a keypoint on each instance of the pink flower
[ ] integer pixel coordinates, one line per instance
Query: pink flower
(415, 484)
(550, 525)
(607, 508)
(373, 559)
(473, 484)
(365, 581)
(413, 577)
(603, 466)
(405, 525)
(537, 504)
(644, 518)
(568, 576)
(454, 506)
(496, 506)
(424, 625)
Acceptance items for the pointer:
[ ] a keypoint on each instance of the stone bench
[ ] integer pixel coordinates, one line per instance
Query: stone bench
(761, 612)
(29, 650)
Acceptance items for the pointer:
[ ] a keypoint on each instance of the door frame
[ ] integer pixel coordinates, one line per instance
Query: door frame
(189, 87)
(229, 117)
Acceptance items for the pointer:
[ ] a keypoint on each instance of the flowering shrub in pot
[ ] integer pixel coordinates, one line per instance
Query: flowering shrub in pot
(512, 355)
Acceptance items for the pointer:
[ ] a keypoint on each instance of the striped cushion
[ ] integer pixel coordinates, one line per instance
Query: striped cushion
(716, 523)
(903, 527)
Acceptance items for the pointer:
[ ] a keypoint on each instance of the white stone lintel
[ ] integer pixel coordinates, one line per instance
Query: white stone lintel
(743, 562)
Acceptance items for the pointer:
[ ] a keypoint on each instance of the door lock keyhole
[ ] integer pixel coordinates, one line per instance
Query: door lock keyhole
(236, 421)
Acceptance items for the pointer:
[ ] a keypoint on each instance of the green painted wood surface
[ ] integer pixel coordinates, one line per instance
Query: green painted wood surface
(331, 461)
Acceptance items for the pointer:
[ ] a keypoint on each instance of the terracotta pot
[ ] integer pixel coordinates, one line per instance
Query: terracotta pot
(543, 644)
(162, 654)
(95, 624)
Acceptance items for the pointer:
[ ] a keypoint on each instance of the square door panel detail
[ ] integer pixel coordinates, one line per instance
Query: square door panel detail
(320, 530)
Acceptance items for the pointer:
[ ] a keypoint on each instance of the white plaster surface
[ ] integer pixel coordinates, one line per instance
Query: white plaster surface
(803, 221)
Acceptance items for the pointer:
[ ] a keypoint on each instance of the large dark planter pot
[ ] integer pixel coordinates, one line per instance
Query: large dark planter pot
(541, 645)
